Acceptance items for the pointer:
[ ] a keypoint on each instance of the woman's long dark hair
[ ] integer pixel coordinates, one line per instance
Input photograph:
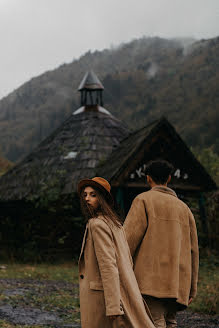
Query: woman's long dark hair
(105, 208)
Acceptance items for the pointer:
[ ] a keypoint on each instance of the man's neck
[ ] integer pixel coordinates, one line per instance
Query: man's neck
(153, 184)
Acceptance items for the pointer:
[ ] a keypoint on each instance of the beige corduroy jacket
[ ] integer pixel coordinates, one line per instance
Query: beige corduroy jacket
(107, 282)
(161, 233)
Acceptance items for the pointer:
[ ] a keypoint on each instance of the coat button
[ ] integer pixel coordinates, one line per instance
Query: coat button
(82, 276)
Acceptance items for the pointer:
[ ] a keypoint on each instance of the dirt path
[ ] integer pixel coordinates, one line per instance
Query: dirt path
(55, 304)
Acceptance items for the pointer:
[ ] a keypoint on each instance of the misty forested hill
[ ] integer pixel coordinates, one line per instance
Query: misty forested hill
(143, 80)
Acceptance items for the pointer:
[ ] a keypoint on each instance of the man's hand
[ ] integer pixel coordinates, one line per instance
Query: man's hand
(190, 300)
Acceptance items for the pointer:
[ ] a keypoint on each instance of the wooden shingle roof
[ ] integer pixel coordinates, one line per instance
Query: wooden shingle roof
(69, 154)
(120, 158)
(156, 140)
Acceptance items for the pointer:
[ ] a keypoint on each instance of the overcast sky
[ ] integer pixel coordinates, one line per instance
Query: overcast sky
(39, 35)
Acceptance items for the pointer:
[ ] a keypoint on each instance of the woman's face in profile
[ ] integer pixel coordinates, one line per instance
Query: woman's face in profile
(90, 197)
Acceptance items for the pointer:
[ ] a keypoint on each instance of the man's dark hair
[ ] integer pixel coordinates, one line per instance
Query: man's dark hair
(159, 170)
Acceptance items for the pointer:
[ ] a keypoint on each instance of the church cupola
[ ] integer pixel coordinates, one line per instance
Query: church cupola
(91, 91)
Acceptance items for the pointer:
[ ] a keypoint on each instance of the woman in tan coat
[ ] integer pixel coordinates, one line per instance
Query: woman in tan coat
(109, 294)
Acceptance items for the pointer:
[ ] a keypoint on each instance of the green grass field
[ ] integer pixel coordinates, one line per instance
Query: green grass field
(58, 292)
(4, 324)
(65, 272)
(207, 300)
(66, 299)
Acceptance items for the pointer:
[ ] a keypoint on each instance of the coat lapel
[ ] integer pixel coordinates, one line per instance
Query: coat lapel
(83, 242)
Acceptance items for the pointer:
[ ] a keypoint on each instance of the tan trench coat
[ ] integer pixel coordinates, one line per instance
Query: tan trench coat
(161, 233)
(107, 282)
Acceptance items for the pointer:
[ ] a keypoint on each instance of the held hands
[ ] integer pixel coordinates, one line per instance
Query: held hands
(113, 317)
(190, 300)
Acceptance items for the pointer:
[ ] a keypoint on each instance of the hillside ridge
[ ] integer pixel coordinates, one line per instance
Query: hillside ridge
(143, 79)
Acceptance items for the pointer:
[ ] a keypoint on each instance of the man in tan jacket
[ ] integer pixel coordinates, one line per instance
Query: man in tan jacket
(162, 237)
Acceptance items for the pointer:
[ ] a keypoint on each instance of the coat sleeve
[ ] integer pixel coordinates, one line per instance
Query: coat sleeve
(106, 258)
(135, 224)
(194, 255)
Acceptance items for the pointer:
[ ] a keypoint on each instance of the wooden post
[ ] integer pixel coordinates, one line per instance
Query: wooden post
(101, 99)
(91, 98)
(120, 201)
(203, 218)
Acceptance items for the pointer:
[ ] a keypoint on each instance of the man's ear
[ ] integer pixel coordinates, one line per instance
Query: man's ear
(148, 179)
(169, 178)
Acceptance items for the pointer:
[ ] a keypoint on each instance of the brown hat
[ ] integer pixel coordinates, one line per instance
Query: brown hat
(98, 183)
